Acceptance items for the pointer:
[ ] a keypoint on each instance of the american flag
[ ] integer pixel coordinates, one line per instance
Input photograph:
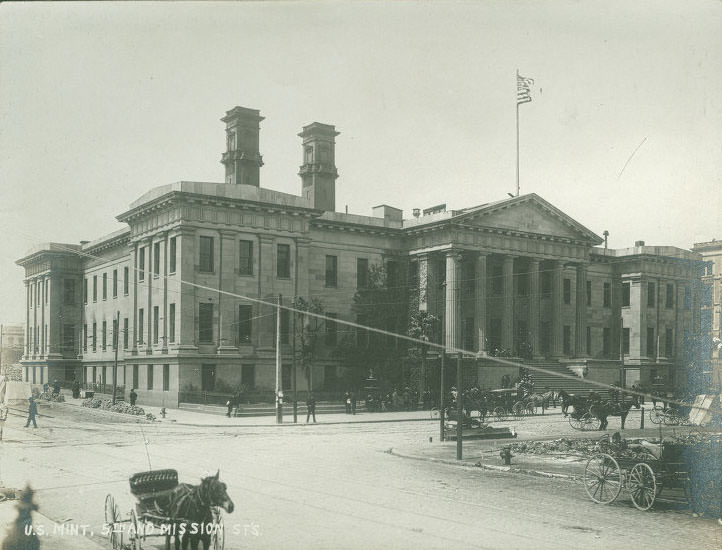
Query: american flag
(523, 89)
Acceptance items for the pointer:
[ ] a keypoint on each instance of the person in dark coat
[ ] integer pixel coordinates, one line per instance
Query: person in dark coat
(311, 407)
(353, 403)
(347, 402)
(133, 397)
(76, 389)
(32, 411)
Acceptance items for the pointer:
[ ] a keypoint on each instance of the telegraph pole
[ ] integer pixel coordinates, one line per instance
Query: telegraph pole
(441, 399)
(279, 391)
(459, 408)
(116, 334)
(293, 369)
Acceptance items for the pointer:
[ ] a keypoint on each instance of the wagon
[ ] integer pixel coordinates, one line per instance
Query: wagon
(583, 419)
(149, 518)
(505, 404)
(644, 474)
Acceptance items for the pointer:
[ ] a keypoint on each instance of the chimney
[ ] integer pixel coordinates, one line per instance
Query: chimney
(417, 212)
(242, 159)
(638, 243)
(318, 171)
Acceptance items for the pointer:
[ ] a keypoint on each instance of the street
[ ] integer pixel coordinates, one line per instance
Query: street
(325, 486)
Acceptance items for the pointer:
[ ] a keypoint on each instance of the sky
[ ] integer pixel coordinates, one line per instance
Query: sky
(101, 102)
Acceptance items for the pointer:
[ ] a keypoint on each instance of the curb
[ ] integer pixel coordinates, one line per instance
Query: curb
(332, 423)
(483, 466)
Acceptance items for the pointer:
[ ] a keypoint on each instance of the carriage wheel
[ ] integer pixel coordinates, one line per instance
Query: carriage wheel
(500, 414)
(590, 422)
(656, 415)
(602, 478)
(218, 535)
(575, 422)
(670, 418)
(112, 520)
(135, 534)
(518, 409)
(642, 486)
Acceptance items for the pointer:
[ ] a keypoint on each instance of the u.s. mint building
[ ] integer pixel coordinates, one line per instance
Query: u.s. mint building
(513, 272)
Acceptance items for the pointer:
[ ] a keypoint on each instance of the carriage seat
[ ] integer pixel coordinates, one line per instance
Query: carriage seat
(153, 490)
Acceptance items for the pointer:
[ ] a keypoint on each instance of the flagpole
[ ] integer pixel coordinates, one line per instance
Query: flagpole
(517, 139)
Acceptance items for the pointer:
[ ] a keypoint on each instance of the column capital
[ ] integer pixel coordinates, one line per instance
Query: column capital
(454, 254)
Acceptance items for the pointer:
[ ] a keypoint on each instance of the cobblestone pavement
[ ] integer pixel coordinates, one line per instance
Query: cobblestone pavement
(330, 486)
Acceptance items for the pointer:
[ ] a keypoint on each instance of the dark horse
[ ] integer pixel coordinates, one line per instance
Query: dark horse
(194, 506)
(603, 409)
(575, 401)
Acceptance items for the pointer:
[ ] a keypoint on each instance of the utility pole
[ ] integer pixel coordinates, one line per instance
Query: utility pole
(293, 369)
(459, 408)
(115, 365)
(279, 391)
(441, 400)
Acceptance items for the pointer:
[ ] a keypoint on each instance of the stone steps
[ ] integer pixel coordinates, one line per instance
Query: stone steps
(543, 380)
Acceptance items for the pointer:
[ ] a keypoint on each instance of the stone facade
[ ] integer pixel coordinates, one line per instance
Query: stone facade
(193, 277)
(712, 306)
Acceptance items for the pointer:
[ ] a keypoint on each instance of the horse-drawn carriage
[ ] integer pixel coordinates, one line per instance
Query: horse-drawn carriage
(165, 508)
(643, 469)
(590, 412)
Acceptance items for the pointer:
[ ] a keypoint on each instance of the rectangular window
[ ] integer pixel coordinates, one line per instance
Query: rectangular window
(156, 259)
(135, 376)
(589, 294)
(626, 289)
(85, 337)
(171, 323)
(103, 334)
(105, 286)
(126, 280)
(125, 333)
(668, 343)
(285, 326)
(669, 301)
(115, 337)
(206, 255)
(155, 324)
(95, 334)
(69, 337)
(650, 342)
(248, 376)
(115, 283)
(245, 258)
(650, 295)
(362, 273)
(171, 255)
(85, 291)
(567, 340)
(205, 323)
(625, 340)
(68, 292)
(607, 295)
(567, 291)
(283, 261)
(150, 377)
(589, 340)
(141, 263)
(331, 329)
(166, 377)
(331, 271)
(140, 325)
(95, 288)
(245, 312)
(606, 341)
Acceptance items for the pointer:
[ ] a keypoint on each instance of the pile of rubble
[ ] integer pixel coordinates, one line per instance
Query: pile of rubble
(120, 407)
(48, 396)
(583, 447)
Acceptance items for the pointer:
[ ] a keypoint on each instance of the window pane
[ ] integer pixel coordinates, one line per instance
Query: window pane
(650, 295)
(331, 329)
(245, 312)
(205, 323)
(331, 270)
(283, 261)
(171, 255)
(206, 254)
(245, 261)
(156, 259)
(625, 294)
(171, 323)
(362, 273)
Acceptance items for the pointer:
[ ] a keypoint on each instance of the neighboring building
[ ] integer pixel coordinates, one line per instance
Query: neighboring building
(712, 308)
(12, 342)
(508, 275)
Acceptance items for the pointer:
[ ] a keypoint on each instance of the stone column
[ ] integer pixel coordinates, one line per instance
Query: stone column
(27, 319)
(451, 318)
(423, 282)
(557, 322)
(480, 302)
(534, 298)
(507, 323)
(580, 328)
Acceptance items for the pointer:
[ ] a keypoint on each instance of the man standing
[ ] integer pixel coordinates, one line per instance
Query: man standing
(133, 397)
(76, 389)
(347, 402)
(311, 407)
(32, 411)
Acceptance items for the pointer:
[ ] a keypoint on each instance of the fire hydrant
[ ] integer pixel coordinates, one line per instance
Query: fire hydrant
(506, 455)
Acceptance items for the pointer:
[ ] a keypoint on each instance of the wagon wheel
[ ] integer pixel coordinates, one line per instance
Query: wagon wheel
(590, 422)
(518, 409)
(670, 418)
(656, 415)
(218, 534)
(602, 478)
(135, 531)
(642, 485)
(500, 414)
(575, 422)
(112, 520)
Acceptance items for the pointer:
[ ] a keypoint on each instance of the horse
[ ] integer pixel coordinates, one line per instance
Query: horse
(541, 399)
(575, 401)
(194, 504)
(604, 409)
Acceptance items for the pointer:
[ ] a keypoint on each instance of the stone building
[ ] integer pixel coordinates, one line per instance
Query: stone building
(12, 343)
(711, 313)
(183, 287)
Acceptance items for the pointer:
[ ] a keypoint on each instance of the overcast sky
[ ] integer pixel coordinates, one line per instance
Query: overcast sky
(100, 102)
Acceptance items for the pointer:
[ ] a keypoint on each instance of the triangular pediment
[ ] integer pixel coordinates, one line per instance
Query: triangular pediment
(528, 214)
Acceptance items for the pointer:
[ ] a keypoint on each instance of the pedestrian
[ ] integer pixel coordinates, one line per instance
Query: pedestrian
(229, 406)
(76, 389)
(353, 403)
(347, 402)
(133, 397)
(32, 411)
(237, 401)
(311, 407)
(46, 387)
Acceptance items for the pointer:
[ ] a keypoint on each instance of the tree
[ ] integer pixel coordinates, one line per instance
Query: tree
(307, 331)
(422, 326)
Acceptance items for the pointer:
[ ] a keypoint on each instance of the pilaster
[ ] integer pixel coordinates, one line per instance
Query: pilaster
(580, 329)
(534, 297)
(480, 302)
(453, 311)
(507, 323)
(557, 321)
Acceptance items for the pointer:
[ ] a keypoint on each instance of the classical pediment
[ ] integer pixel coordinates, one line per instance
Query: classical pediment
(527, 214)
